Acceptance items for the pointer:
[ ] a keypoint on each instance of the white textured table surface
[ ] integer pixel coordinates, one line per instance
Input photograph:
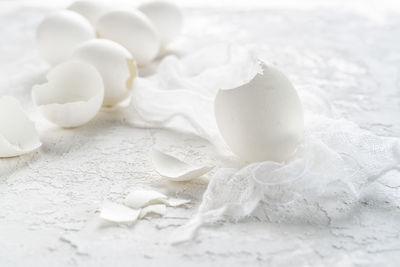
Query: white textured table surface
(50, 198)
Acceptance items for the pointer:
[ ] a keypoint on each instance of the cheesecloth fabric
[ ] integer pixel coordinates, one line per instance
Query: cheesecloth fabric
(333, 150)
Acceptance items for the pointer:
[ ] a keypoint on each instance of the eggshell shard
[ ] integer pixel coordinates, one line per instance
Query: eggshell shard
(133, 30)
(261, 120)
(166, 17)
(158, 209)
(115, 65)
(175, 202)
(72, 96)
(142, 197)
(18, 134)
(91, 10)
(58, 35)
(175, 169)
(117, 213)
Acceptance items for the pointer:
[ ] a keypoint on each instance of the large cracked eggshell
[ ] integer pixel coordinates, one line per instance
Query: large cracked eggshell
(115, 65)
(72, 96)
(91, 10)
(58, 35)
(133, 30)
(18, 134)
(261, 120)
(166, 17)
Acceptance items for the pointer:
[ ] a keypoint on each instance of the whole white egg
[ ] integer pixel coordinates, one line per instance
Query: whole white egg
(166, 17)
(58, 35)
(133, 30)
(91, 10)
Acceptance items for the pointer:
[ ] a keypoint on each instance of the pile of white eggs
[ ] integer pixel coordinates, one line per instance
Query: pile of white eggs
(94, 51)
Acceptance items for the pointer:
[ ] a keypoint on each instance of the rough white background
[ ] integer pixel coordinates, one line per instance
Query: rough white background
(49, 200)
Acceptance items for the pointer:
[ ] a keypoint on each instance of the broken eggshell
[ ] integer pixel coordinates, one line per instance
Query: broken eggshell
(142, 197)
(175, 169)
(159, 209)
(166, 17)
(91, 10)
(261, 120)
(118, 213)
(18, 134)
(72, 96)
(133, 30)
(115, 65)
(175, 202)
(58, 35)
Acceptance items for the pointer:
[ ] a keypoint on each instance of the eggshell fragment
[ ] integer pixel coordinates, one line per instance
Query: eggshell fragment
(91, 10)
(133, 30)
(175, 169)
(175, 202)
(115, 65)
(72, 96)
(166, 17)
(114, 212)
(159, 209)
(261, 120)
(18, 134)
(59, 34)
(142, 197)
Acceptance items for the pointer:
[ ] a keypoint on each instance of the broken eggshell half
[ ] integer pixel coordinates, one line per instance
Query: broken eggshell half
(58, 35)
(72, 96)
(261, 120)
(166, 17)
(175, 169)
(115, 65)
(133, 30)
(18, 134)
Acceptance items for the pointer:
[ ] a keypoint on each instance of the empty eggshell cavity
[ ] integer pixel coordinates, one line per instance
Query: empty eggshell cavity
(175, 169)
(261, 120)
(72, 96)
(18, 134)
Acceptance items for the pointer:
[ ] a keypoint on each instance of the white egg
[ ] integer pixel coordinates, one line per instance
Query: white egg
(18, 134)
(91, 10)
(115, 65)
(58, 35)
(261, 120)
(166, 17)
(133, 30)
(72, 96)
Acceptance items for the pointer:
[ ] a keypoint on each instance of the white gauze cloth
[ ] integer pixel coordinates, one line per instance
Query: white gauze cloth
(332, 151)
